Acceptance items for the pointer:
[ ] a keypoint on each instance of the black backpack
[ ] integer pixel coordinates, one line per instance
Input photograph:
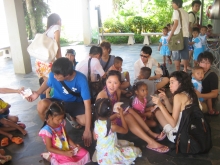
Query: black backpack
(165, 71)
(194, 134)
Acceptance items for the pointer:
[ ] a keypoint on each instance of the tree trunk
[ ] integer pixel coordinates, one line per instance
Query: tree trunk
(31, 17)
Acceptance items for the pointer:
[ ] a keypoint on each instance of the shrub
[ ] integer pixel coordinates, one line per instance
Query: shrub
(117, 39)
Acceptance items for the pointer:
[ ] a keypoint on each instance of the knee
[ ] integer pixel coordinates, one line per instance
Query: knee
(43, 105)
(14, 119)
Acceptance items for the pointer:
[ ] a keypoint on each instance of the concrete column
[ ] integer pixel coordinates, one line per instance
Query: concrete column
(17, 36)
(86, 22)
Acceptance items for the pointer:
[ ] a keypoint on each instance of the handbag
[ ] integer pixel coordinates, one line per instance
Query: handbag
(69, 90)
(176, 41)
(43, 47)
(94, 87)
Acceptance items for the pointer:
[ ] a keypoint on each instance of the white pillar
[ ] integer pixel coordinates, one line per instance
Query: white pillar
(17, 36)
(86, 22)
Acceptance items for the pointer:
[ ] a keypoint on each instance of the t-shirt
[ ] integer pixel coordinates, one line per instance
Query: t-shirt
(111, 62)
(185, 22)
(3, 104)
(52, 30)
(197, 47)
(203, 39)
(192, 20)
(198, 86)
(79, 84)
(95, 68)
(151, 86)
(139, 64)
(163, 40)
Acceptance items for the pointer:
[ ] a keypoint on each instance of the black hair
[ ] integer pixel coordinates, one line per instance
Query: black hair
(146, 72)
(62, 66)
(196, 2)
(196, 68)
(179, 3)
(204, 27)
(168, 25)
(185, 85)
(104, 109)
(41, 81)
(73, 52)
(52, 20)
(209, 26)
(118, 59)
(205, 56)
(137, 86)
(94, 50)
(114, 73)
(56, 108)
(147, 50)
(106, 45)
(165, 28)
(196, 29)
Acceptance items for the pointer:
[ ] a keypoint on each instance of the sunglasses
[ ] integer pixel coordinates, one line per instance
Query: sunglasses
(144, 56)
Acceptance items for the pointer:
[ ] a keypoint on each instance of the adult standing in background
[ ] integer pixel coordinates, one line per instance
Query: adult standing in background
(53, 31)
(183, 54)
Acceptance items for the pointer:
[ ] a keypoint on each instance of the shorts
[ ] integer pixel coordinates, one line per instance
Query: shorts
(190, 47)
(176, 56)
(184, 54)
(72, 108)
(4, 115)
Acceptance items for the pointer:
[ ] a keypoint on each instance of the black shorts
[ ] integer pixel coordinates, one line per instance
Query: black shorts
(72, 108)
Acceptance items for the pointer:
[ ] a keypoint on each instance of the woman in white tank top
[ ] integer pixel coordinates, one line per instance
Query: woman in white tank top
(169, 116)
(53, 31)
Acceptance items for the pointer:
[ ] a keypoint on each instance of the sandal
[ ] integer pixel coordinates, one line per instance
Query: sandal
(72, 122)
(46, 155)
(17, 140)
(5, 159)
(162, 149)
(4, 142)
(163, 137)
(213, 113)
(22, 125)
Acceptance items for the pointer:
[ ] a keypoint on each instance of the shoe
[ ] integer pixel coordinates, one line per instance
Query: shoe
(213, 113)
(22, 125)
(4, 142)
(72, 122)
(162, 149)
(46, 155)
(163, 137)
(17, 140)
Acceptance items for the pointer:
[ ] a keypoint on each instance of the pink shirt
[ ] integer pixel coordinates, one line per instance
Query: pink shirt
(138, 105)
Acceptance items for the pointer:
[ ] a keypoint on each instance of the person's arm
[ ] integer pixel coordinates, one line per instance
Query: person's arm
(210, 95)
(136, 69)
(175, 23)
(160, 44)
(57, 38)
(99, 69)
(163, 96)
(163, 82)
(9, 90)
(4, 109)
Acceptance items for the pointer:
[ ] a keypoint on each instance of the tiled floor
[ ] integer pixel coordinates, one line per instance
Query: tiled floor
(29, 152)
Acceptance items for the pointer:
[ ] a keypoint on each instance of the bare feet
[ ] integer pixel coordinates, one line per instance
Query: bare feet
(24, 132)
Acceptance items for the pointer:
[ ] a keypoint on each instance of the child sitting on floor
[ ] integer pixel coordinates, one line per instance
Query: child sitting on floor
(139, 103)
(125, 78)
(61, 149)
(109, 149)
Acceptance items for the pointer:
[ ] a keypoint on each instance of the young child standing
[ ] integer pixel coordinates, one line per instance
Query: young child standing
(163, 46)
(61, 149)
(197, 44)
(203, 37)
(109, 149)
(139, 103)
(197, 76)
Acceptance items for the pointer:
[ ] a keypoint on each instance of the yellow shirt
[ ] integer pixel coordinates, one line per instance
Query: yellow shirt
(3, 104)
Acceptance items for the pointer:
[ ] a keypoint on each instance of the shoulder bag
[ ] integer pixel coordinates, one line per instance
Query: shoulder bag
(69, 90)
(176, 41)
(43, 47)
(95, 87)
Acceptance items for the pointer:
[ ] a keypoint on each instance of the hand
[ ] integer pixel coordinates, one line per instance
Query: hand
(87, 138)
(198, 93)
(19, 91)
(120, 110)
(68, 153)
(162, 95)
(156, 100)
(32, 97)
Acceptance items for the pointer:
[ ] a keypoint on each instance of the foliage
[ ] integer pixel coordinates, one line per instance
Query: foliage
(41, 9)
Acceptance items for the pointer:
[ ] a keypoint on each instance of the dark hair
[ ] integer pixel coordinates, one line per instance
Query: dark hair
(94, 50)
(179, 3)
(204, 27)
(41, 81)
(56, 108)
(73, 52)
(147, 50)
(168, 25)
(117, 60)
(103, 108)
(205, 56)
(196, 29)
(165, 28)
(137, 86)
(114, 73)
(52, 20)
(196, 2)
(196, 68)
(106, 45)
(62, 66)
(185, 85)
(209, 26)
(146, 72)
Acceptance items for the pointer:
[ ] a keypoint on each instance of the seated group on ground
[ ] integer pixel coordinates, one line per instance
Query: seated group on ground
(68, 93)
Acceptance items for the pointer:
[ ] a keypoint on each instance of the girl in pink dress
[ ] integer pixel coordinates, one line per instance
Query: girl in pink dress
(61, 149)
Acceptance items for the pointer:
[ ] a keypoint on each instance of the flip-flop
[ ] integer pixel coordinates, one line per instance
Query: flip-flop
(162, 149)
(17, 140)
(4, 142)
(22, 125)
(163, 137)
(5, 159)
(214, 113)
(73, 123)
(46, 155)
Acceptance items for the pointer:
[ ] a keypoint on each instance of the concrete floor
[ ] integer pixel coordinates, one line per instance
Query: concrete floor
(29, 152)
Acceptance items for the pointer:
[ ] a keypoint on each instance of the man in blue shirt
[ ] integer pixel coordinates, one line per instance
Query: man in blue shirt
(79, 107)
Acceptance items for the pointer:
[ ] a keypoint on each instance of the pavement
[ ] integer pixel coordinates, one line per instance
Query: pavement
(29, 152)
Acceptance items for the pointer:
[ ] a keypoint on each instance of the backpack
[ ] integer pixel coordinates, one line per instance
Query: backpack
(165, 71)
(194, 134)
(194, 16)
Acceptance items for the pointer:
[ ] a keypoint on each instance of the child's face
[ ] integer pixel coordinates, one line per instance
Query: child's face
(196, 7)
(118, 65)
(70, 56)
(105, 51)
(142, 91)
(165, 32)
(112, 83)
(140, 76)
(198, 74)
(195, 34)
(56, 120)
(203, 31)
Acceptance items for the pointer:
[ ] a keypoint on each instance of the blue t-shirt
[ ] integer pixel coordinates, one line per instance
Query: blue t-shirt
(197, 47)
(79, 84)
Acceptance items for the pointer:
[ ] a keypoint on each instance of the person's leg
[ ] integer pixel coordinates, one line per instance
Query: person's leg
(42, 107)
(185, 64)
(151, 123)
(184, 54)
(161, 119)
(2, 132)
(177, 65)
(164, 59)
(127, 76)
(13, 118)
